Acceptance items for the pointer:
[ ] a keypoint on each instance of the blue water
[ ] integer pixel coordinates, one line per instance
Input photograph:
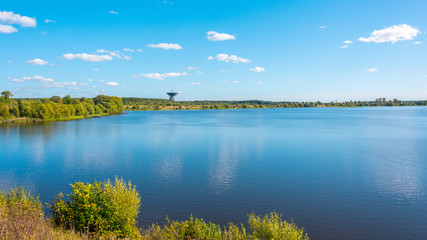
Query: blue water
(341, 173)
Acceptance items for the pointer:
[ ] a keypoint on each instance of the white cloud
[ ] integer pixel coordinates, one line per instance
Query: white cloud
(113, 12)
(139, 50)
(49, 21)
(417, 43)
(7, 29)
(61, 85)
(37, 61)
(115, 54)
(257, 69)
(259, 82)
(96, 69)
(227, 58)
(344, 46)
(83, 84)
(12, 18)
(392, 34)
(348, 42)
(160, 76)
(372, 69)
(128, 50)
(102, 80)
(111, 84)
(165, 46)
(216, 36)
(191, 68)
(195, 84)
(35, 78)
(88, 57)
(236, 82)
(89, 80)
(9, 61)
(322, 27)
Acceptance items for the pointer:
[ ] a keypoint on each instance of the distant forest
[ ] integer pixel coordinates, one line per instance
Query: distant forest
(57, 108)
(65, 108)
(132, 103)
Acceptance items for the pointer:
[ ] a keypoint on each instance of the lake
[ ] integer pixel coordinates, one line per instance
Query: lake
(341, 173)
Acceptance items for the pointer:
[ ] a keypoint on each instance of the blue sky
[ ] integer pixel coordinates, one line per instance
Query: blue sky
(268, 50)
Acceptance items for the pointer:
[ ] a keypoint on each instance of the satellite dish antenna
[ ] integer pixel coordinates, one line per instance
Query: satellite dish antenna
(172, 95)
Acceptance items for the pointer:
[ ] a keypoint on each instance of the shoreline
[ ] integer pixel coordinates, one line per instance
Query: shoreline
(34, 120)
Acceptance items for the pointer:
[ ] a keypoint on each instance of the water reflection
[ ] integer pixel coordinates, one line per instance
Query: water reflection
(223, 161)
(351, 168)
(396, 157)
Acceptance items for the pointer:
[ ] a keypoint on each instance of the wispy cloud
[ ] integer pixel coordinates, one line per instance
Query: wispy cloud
(259, 82)
(372, 69)
(35, 78)
(12, 18)
(323, 27)
(257, 69)
(166, 46)
(229, 58)
(113, 12)
(417, 43)
(111, 84)
(37, 61)
(392, 34)
(236, 82)
(191, 68)
(347, 44)
(49, 21)
(160, 76)
(195, 84)
(88, 57)
(128, 50)
(115, 54)
(61, 84)
(216, 36)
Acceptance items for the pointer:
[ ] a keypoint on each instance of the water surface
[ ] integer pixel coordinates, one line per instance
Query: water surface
(341, 173)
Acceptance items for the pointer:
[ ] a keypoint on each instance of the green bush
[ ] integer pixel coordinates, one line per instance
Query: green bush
(195, 229)
(269, 227)
(21, 217)
(101, 209)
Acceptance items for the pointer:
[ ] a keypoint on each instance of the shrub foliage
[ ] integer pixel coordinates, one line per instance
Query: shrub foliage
(269, 227)
(100, 208)
(108, 210)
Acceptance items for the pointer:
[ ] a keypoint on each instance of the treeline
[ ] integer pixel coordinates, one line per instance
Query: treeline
(57, 108)
(109, 210)
(132, 103)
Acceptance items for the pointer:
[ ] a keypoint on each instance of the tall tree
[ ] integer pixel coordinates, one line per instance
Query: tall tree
(6, 94)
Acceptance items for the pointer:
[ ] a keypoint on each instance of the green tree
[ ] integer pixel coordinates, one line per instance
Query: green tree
(6, 94)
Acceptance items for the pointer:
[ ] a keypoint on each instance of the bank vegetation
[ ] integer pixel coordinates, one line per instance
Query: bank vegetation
(109, 210)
